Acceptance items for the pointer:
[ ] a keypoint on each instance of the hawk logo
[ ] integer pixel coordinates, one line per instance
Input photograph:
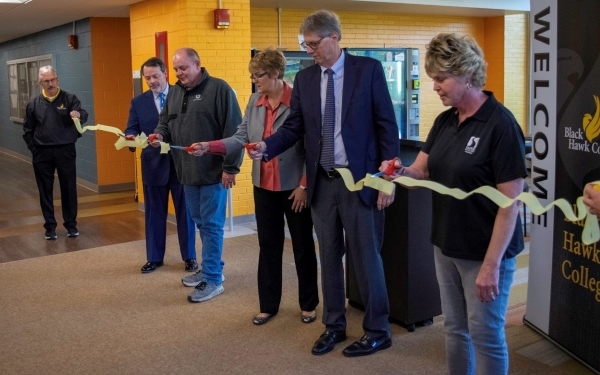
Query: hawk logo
(591, 125)
(472, 145)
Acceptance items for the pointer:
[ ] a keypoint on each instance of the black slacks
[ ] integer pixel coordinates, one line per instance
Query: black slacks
(345, 225)
(46, 160)
(270, 209)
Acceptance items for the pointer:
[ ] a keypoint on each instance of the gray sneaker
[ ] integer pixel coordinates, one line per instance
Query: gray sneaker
(205, 291)
(194, 280)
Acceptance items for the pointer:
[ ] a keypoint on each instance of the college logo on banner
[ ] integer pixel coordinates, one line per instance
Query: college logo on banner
(575, 281)
(591, 123)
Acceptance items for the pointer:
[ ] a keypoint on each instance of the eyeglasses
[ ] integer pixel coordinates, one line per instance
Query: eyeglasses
(312, 45)
(49, 81)
(255, 77)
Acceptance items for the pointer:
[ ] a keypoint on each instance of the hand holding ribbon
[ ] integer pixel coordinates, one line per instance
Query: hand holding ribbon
(591, 198)
(591, 229)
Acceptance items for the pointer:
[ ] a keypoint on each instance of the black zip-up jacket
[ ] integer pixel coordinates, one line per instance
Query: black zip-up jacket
(50, 124)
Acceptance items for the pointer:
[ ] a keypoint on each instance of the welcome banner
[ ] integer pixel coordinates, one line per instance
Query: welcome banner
(563, 299)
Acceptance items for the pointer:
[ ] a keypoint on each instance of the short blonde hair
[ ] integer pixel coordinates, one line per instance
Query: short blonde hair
(457, 55)
(268, 60)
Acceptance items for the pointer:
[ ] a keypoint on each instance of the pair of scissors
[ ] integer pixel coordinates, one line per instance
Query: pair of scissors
(250, 146)
(185, 148)
(389, 170)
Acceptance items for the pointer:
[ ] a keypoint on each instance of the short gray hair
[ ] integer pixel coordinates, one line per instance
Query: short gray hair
(46, 69)
(323, 23)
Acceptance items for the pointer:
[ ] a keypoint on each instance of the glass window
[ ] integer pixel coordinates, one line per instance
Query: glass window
(23, 83)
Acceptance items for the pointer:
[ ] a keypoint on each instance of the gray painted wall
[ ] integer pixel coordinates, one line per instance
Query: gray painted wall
(75, 72)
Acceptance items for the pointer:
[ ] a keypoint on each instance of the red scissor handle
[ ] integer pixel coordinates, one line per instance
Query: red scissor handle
(152, 137)
(392, 167)
(250, 146)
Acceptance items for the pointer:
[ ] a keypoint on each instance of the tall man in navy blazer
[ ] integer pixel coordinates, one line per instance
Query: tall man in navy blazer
(346, 222)
(159, 175)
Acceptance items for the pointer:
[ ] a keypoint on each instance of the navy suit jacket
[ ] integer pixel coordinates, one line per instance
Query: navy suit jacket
(143, 117)
(369, 128)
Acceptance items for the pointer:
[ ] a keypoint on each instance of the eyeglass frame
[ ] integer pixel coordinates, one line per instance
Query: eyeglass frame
(312, 45)
(256, 77)
(49, 81)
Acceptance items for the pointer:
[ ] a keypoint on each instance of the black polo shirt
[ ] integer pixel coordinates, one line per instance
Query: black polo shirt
(487, 149)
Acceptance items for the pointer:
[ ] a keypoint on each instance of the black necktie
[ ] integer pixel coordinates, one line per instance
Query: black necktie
(327, 145)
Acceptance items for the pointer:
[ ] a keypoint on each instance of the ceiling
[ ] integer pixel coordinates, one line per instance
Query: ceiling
(17, 20)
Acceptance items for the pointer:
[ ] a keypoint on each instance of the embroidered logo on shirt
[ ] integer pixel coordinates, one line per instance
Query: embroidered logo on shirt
(62, 106)
(198, 97)
(472, 145)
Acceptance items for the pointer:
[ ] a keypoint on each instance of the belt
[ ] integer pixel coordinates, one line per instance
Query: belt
(332, 173)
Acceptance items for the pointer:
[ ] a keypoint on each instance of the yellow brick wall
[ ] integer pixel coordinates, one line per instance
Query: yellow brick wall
(113, 88)
(494, 55)
(516, 81)
(381, 30)
(377, 30)
(224, 53)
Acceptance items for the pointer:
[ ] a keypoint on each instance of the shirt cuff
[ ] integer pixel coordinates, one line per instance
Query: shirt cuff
(217, 147)
(303, 181)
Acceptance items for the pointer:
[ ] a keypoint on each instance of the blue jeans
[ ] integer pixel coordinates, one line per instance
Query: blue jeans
(474, 329)
(206, 204)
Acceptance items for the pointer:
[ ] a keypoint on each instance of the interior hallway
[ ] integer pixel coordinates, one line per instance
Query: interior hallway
(103, 219)
(114, 218)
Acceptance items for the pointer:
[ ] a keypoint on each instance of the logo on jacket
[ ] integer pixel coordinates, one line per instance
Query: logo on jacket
(472, 145)
(198, 97)
(62, 106)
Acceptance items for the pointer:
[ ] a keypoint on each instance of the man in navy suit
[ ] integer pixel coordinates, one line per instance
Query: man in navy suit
(349, 124)
(159, 175)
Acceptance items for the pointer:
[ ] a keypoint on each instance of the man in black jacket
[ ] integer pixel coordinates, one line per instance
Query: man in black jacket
(50, 135)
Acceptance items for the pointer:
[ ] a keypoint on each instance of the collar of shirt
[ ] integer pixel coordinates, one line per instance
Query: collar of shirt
(286, 97)
(50, 98)
(164, 92)
(485, 111)
(338, 67)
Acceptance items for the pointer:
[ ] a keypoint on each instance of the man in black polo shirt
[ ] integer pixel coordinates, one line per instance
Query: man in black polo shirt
(50, 135)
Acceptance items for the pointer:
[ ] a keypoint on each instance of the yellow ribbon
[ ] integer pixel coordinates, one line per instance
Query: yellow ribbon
(140, 141)
(591, 230)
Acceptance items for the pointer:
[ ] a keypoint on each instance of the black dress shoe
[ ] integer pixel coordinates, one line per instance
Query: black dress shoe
(327, 341)
(191, 265)
(151, 266)
(368, 345)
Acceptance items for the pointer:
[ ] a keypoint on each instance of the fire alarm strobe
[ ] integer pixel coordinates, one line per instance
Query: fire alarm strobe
(72, 40)
(221, 18)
